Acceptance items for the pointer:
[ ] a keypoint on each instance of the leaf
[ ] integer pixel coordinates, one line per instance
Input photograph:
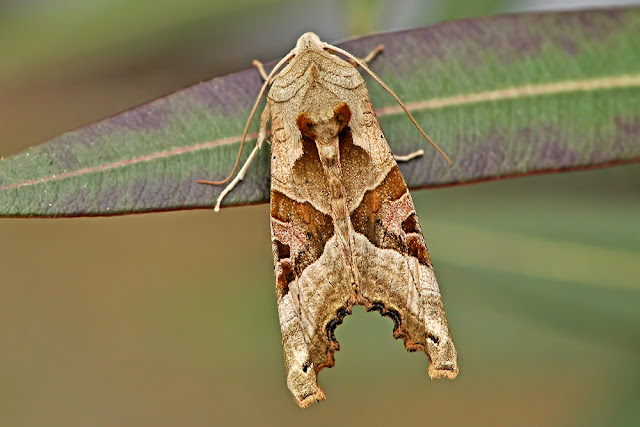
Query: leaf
(503, 96)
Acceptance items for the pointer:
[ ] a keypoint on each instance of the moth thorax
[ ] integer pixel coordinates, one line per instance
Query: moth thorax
(328, 151)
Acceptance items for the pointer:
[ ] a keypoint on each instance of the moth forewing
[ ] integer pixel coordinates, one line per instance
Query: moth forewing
(344, 229)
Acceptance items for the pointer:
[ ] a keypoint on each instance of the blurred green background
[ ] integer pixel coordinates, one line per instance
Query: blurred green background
(170, 319)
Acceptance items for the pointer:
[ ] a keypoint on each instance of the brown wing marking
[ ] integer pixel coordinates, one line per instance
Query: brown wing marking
(301, 242)
(391, 229)
(312, 285)
(300, 237)
(358, 170)
(397, 277)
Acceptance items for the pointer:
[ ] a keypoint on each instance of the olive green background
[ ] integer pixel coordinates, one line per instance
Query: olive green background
(170, 319)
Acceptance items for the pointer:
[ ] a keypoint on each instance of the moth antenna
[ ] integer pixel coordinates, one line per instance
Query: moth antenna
(388, 89)
(253, 112)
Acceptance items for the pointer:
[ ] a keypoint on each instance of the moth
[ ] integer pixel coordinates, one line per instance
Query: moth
(344, 229)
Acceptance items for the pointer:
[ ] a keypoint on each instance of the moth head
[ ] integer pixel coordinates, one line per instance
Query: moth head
(308, 41)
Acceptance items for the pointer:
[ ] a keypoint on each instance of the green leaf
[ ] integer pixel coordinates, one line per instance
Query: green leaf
(503, 96)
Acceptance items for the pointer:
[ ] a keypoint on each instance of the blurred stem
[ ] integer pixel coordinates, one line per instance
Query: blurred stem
(459, 9)
(362, 16)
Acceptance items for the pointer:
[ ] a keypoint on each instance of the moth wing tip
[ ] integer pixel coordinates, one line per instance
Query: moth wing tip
(449, 371)
(307, 401)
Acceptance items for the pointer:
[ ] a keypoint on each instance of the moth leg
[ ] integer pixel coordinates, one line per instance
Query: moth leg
(373, 54)
(237, 179)
(409, 156)
(262, 136)
(370, 56)
(260, 68)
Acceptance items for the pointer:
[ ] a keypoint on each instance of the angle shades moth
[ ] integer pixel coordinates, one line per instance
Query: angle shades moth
(344, 229)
